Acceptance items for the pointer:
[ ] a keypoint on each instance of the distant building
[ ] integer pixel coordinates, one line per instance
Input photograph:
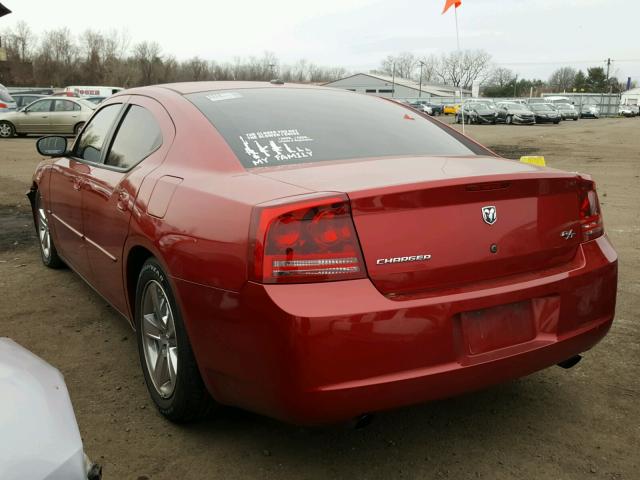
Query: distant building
(385, 86)
(630, 97)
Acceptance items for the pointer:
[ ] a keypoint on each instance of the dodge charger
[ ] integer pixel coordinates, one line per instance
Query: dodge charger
(316, 255)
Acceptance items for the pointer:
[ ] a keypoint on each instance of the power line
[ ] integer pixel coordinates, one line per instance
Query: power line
(561, 62)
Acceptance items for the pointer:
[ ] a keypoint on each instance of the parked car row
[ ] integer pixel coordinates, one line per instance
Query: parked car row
(486, 111)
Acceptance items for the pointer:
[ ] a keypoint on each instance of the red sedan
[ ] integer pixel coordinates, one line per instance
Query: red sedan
(314, 255)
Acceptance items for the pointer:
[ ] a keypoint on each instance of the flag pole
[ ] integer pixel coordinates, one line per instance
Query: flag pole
(455, 11)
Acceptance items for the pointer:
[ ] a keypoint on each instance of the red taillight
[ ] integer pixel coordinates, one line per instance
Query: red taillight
(3, 105)
(590, 215)
(312, 240)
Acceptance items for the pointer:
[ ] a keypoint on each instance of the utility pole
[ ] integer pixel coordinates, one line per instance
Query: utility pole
(608, 67)
(515, 87)
(420, 93)
(393, 81)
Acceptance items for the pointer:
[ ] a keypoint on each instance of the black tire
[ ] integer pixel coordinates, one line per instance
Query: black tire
(556, 122)
(77, 128)
(7, 130)
(509, 120)
(189, 399)
(48, 255)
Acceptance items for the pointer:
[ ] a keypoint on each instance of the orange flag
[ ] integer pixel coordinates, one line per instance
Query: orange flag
(450, 3)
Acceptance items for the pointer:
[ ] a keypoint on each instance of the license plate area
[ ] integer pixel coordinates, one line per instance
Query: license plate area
(497, 327)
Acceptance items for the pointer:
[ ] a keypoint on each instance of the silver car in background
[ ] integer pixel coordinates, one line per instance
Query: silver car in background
(567, 111)
(49, 115)
(517, 113)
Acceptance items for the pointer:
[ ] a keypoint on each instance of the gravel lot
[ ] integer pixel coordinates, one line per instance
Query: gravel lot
(576, 424)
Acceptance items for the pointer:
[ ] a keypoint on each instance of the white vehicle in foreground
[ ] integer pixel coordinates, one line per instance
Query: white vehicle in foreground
(39, 437)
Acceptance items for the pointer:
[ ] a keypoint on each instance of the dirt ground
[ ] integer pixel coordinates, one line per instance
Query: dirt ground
(555, 424)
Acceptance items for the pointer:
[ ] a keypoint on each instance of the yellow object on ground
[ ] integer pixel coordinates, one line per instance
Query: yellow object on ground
(534, 160)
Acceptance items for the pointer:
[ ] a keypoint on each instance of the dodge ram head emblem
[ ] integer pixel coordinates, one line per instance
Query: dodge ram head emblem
(489, 214)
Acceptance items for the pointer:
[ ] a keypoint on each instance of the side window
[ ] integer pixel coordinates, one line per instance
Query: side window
(90, 145)
(41, 106)
(138, 135)
(64, 106)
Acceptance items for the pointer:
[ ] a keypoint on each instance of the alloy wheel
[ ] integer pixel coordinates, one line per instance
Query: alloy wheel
(5, 130)
(159, 341)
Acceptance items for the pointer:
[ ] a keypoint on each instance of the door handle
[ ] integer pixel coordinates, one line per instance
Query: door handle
(123, 201)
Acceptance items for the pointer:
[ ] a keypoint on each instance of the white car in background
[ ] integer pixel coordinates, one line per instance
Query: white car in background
(39, 437)
(628, 110)
(589, 111)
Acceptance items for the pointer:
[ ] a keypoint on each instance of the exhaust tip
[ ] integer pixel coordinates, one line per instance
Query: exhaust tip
(362, 421)
(570, 362)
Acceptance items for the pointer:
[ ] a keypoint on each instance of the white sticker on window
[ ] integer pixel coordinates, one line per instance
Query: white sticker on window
(216, 97)
(274, 146)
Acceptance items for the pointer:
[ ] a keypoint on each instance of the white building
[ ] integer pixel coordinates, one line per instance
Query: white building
(385, 86)
(630, 97)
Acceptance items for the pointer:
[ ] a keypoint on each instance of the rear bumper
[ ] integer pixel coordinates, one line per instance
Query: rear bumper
(321, 353)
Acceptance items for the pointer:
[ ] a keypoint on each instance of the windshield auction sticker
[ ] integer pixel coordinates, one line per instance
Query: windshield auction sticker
(217, 97)
(275, 146)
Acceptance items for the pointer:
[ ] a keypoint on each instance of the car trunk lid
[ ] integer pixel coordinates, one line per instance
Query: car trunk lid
(439, 223)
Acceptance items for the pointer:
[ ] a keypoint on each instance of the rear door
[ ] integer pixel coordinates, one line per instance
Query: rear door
(139, 144)
(35, 118)
(64, 116)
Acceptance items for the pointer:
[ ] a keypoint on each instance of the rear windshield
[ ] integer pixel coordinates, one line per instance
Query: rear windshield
(273, 126)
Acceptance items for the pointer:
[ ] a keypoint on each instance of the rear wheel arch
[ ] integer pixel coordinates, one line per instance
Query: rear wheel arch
(135, 260)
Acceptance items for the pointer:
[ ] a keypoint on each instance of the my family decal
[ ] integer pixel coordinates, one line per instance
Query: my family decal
(275, 146)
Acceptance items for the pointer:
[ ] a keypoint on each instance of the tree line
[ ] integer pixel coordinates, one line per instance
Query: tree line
(58, 58)
(462, 69)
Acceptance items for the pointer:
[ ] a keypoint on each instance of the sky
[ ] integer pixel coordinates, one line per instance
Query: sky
(531, 37)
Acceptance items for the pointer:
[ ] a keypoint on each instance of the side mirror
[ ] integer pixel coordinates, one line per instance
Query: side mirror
(52, 146)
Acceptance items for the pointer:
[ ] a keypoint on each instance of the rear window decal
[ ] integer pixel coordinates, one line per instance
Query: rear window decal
(216, 97)
(273, 146)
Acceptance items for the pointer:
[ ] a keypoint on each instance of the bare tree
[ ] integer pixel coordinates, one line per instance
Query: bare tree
(197, 69)
(147, 57)
(500, 77)
(563, 78)
(430, 65)
(24, 40)
(56, 58)
(461, 69)
(404, 65)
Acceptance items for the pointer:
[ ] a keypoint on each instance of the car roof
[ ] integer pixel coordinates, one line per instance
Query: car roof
(186, 88)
